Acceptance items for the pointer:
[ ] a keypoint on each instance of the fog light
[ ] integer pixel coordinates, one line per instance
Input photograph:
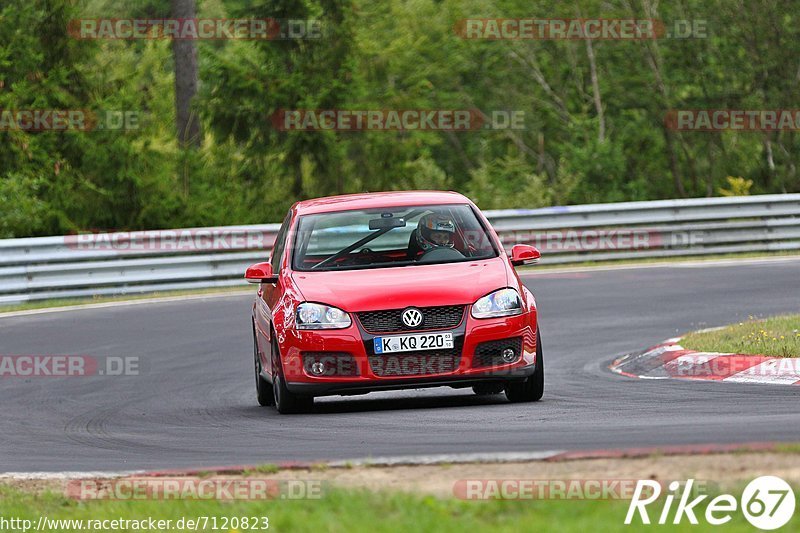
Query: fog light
(508, 355)
(318, 368)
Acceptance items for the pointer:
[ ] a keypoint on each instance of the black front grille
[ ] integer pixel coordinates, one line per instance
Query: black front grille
(388, 321)
(415, 363)
(336, 363)
(489, 353)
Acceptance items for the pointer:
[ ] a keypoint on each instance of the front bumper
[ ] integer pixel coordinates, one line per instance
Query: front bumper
(328, 388)
(354, 341)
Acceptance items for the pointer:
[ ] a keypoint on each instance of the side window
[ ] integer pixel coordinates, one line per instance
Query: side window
(280, 245)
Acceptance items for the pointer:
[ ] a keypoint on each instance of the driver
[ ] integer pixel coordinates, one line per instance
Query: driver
(434, 231)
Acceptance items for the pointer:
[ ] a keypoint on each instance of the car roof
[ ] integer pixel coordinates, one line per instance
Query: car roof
(374, 200)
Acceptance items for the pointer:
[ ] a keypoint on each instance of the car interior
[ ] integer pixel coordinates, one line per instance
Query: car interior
(389, 237)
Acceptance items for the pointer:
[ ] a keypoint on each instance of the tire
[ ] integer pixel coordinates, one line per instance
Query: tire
(487, 389)
(284, 400)
(532, 389)
(263, 388)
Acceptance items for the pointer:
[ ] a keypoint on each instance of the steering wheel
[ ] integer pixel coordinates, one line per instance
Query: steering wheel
(440, 254)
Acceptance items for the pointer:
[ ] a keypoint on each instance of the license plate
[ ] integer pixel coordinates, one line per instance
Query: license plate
(413, 343)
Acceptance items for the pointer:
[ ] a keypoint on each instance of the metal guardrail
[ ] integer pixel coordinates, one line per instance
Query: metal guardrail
(145, 261)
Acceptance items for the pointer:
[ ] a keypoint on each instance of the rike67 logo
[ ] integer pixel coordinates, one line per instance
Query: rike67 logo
(767, 502)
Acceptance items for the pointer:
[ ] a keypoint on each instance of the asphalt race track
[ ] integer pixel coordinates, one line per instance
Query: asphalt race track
(194, 404)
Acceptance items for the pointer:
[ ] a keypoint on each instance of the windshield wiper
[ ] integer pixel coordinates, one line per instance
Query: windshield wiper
(361, 242)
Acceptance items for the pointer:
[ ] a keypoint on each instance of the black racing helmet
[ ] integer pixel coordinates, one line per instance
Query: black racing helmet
(435, 230)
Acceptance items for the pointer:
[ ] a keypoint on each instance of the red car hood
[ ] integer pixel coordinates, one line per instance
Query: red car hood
(398, 287)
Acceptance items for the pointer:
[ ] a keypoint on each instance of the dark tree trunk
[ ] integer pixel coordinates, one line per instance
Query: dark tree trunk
(186, 79)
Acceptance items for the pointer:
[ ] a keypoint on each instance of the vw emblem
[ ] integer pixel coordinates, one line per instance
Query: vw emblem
(412, 317)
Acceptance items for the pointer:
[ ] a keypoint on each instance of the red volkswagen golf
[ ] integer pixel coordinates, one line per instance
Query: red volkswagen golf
(396, 290)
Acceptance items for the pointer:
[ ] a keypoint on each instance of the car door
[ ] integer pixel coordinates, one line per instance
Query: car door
(269, 295)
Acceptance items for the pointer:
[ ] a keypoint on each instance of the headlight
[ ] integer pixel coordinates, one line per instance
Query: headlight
(318, 316)
(505, 302)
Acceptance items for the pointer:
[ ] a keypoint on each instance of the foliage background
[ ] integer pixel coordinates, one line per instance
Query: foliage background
(393, 54)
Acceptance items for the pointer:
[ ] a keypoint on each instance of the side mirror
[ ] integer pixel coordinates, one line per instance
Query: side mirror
(524, 254)
(260, 273)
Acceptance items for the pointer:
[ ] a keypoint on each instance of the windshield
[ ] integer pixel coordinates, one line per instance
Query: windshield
(390, 236)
